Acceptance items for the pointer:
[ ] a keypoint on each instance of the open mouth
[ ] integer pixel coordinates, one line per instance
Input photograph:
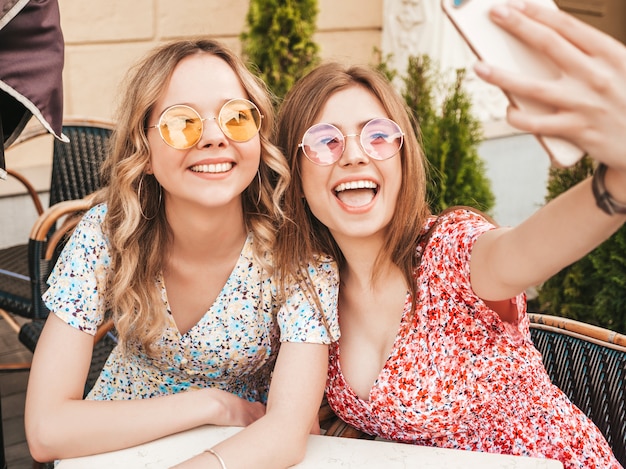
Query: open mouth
(356, 193)
(213, 168)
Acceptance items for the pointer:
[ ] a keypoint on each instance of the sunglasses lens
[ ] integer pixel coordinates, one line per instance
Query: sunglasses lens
(381, 138)
(240, 120)
(180, 127)
(323, 144)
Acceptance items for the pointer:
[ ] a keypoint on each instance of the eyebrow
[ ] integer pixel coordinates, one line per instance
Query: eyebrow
(360, 125)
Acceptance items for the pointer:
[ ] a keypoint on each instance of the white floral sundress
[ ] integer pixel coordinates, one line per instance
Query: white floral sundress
(233, 347)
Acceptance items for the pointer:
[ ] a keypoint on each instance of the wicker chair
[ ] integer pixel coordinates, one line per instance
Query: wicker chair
(589, 364)
(75, 174)
(331, 425)
(24, 268)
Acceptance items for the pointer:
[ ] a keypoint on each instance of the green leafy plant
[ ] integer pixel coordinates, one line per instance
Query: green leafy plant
(593, 289)
(279, 41)
(450, 134)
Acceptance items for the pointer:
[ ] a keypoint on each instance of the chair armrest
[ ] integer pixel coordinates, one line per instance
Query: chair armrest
(51, 215)
(580, 330)
(29, 188)
(103, 329)
(44, 245)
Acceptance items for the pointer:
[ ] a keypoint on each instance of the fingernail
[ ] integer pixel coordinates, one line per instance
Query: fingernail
(482, 69)
(500, 11)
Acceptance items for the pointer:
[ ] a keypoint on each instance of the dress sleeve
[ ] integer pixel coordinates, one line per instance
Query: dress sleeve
(446, 268)
(78, 280)
(299, 317)
(450, 247)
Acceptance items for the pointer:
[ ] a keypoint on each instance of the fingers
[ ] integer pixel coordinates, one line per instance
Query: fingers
(509, 82)
(586, 102)
(585, 37)
(556, 33)
(548, 95)
(541, 36)
(563, 124)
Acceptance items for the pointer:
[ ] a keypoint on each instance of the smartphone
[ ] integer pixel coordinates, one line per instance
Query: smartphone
(496, 47)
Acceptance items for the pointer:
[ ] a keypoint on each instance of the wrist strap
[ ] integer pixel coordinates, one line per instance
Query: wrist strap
(604, 199)
(219, 458)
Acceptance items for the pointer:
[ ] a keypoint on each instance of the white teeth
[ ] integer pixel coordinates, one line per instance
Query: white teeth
(212, 168)
(362, 184)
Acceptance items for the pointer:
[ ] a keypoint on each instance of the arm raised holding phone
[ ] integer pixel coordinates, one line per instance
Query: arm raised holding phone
(588, 101)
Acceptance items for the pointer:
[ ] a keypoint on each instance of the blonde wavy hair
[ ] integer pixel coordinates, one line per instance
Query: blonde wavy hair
(138, 245)
(305, 237)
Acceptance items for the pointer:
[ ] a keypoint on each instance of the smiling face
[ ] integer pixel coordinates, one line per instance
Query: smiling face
(215, 171)
(356, 196)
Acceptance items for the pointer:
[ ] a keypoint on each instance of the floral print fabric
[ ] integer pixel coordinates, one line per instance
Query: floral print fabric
(458, 377)
(234, 345)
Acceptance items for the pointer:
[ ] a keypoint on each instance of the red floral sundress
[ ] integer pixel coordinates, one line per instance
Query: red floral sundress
(458, 377)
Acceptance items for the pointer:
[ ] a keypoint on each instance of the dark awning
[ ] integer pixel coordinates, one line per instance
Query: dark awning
(31, 66)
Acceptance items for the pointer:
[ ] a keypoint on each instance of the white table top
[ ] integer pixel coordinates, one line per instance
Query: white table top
(322, 452)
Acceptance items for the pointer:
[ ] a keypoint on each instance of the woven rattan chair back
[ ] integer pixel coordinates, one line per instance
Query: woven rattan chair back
(589, 364)
(76, 164)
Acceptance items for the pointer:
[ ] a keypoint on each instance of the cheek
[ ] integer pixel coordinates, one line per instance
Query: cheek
(312, 177)
(159, 150)
(393, 178)
(254, 152)
(316, 190)
(249, 152)
(163, 159)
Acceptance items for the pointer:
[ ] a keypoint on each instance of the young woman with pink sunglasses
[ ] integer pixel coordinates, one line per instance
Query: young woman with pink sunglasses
(435, 347)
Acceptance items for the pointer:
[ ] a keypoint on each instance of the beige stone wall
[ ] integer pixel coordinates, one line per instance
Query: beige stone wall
(103, 38)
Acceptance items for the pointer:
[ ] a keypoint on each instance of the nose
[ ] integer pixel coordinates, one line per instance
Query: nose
(353, 154)
(212, 134)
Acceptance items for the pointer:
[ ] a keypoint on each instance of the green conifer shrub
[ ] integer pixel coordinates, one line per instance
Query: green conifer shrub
(279, 41)
(450, 134)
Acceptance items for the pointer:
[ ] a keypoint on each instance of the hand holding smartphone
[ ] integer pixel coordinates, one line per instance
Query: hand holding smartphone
(497, 47)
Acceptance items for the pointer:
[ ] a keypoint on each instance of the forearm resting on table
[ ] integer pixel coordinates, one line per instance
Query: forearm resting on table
(269, 443)
(79, 427)
(279, 438)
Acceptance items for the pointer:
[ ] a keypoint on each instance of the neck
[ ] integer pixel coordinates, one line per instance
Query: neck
(201, 232)
(360, 257)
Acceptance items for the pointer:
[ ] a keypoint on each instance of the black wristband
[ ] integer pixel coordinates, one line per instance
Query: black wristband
(604, 200)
